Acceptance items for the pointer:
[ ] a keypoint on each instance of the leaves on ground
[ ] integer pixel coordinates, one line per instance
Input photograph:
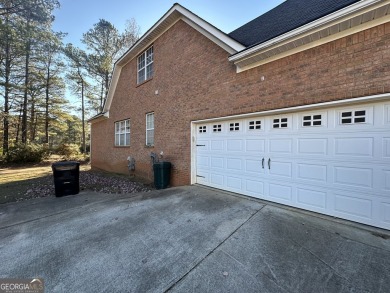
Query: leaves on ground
(89, 181)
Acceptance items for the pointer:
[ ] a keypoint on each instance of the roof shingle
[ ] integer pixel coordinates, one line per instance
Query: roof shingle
(288, 16)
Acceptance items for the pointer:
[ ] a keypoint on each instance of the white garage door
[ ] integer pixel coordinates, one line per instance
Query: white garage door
(333, 161)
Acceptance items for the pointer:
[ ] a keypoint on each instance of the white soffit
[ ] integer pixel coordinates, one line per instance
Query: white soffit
(352, 19)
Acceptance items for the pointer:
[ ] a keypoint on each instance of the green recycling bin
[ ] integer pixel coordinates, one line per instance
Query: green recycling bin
(162, 174)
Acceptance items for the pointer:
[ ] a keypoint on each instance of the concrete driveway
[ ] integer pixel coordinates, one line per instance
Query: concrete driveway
(188, 239)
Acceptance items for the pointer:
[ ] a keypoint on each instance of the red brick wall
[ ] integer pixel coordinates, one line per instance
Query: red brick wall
(196, 81)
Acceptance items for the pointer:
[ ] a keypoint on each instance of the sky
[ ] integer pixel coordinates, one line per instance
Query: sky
(76, 17)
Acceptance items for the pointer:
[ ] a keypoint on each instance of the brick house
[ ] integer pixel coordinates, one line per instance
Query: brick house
(292, 107)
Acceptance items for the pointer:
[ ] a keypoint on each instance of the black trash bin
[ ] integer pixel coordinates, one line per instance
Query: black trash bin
(66, 178)
(162, 174)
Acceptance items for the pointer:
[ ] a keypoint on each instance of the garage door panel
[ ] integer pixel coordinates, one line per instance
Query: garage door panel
(386, 147)
(217, 163)
(386, 174)
(353, 176)
(235, 145)
(202, 145)
(234, 183)
(280, 192)
(280, 146)
(387, 114)
(217, 145)
(280, 168)
(216, 179)
(254, 188)
(352, 206)
(312, 199)
(312, 146)
(203, 161)
(386, 213)
(312, 172)
(203, 177)
(234, 164)
(354, 146)
(254, 166)
(255, 145)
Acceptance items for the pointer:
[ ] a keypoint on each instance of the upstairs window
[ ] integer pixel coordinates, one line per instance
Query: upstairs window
(122, 133)
(150, 129)
(145, 65)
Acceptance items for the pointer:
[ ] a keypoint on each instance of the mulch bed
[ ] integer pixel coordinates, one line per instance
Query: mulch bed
(89, 181)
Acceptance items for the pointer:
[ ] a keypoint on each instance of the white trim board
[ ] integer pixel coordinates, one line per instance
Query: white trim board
(366, 99)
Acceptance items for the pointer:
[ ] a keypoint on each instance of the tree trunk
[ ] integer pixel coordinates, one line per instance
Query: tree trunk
(26, 84)
(6, 92)
(82, 116)
(18, 128)
(32, 119)
(107, 84)
(47, 104)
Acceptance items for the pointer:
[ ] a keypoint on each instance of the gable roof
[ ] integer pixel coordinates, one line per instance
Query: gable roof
(176, 13)
(286, 17)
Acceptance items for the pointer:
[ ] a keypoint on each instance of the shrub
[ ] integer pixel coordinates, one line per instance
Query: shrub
(27, 153)
(68, 151)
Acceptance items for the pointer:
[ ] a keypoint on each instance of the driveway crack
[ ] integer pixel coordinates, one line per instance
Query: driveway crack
(213, 250)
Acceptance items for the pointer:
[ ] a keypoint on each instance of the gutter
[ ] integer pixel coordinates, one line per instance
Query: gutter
(99, 117)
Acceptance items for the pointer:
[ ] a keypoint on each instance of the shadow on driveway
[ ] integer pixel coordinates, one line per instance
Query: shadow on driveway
(187, 239)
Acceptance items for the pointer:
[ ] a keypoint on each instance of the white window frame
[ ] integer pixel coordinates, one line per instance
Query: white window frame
(145, 68)
(122, 129)
(149, 128)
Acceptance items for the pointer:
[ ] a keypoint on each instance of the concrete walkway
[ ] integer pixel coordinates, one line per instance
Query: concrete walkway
(188, 239)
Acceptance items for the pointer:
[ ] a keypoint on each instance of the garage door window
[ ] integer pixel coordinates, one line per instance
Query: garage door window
(255, 125)
(217, 128)
(280, 123)
(312, 120)
(234, 126)
(202, 129)
(353, 117)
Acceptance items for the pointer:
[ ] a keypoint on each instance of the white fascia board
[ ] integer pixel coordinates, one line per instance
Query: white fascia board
(213, 33)
(204, 25)
(353, 101)
(145, 35)
(306, 28)
(113, 84)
